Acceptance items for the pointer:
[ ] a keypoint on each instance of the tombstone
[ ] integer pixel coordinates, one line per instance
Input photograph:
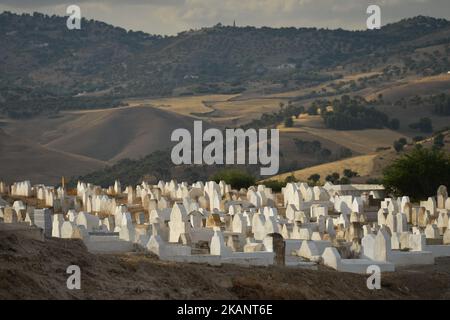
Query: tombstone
(108, 223)
(402, 222)
(70, 230)
(430, 205)
(178, 223)
(127, 231)
(408, 211)
(442, 222)
(321, 224)
(417, 242)
(441, 196)
(239, 224)
(258, 228)
(357, 205)
(131, 195)
(366, 230)
(10, 215)
(331, 258)
(422, 217)
(382, 246)
(318, 210)
(285, 232)
(446, 238)
(140, 217)
(330, 228)
(185, 239)
(305, 234)
(218, 247)
(72, 215)
(270, 226)
(43, 220)
(381, 216)
(395, 241)
(404, 240)
(343, 220)
(58, 220)
(117, 187)
(30, 216)
(196, 219)
(354, 232)
(88, 221)
(233, 242)
(320, 194)
(274, 242)
(156, 245)
(391, 221)
(432, 232)
(152, 205)
(309, 250)
(213, 220)
(368, 246)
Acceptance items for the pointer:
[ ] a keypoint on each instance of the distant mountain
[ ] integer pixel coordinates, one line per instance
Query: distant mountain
(41, 59)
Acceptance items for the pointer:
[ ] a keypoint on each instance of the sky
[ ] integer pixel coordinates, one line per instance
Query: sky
(168, 17)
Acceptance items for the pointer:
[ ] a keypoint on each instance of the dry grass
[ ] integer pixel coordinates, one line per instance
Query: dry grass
(361, 164)
(359, 141)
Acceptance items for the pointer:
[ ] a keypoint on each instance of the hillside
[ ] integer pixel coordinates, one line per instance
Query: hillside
(368, 166)
(31, 269)
(21, 159)
(107, 135)
(43, 60)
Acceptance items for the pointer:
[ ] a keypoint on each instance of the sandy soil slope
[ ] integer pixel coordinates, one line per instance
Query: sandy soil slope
(31, 269)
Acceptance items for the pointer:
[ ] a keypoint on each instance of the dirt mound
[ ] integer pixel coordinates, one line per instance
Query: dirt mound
(31, 269)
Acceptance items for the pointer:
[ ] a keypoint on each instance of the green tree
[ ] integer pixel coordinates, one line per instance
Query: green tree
(425, 125)
(314, 178)
(290, 178)
(438, 142)
(349, 173)
(333, 178)
(344, 180)
(236, 178)
(394, 124)
(288, 122)
(398, 146)
(417, 174)
(275, 185)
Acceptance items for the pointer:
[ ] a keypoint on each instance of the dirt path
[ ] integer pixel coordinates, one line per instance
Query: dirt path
(31, 269)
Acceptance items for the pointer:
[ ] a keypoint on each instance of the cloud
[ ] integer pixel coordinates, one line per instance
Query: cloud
(172, 16)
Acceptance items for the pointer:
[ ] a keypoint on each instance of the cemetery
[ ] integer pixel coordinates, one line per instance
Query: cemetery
(344, 229)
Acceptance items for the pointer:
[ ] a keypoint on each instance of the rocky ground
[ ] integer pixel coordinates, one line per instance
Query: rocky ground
(30, 269)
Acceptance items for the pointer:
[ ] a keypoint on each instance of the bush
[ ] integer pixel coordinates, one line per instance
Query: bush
(349, 173)
(290, 178)
(438, 142)
(288, 122)
(314, 178)
(424, 125)
(275, 185)
(394, 124)
(398, 146)
(417, 174)
(236, 178)
(333, 178)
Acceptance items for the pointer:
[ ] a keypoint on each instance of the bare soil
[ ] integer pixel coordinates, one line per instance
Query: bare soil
(31, 269)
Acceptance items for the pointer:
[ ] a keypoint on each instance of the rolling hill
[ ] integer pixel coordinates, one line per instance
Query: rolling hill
(21, 159)
(107, 135)
(43, 60)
